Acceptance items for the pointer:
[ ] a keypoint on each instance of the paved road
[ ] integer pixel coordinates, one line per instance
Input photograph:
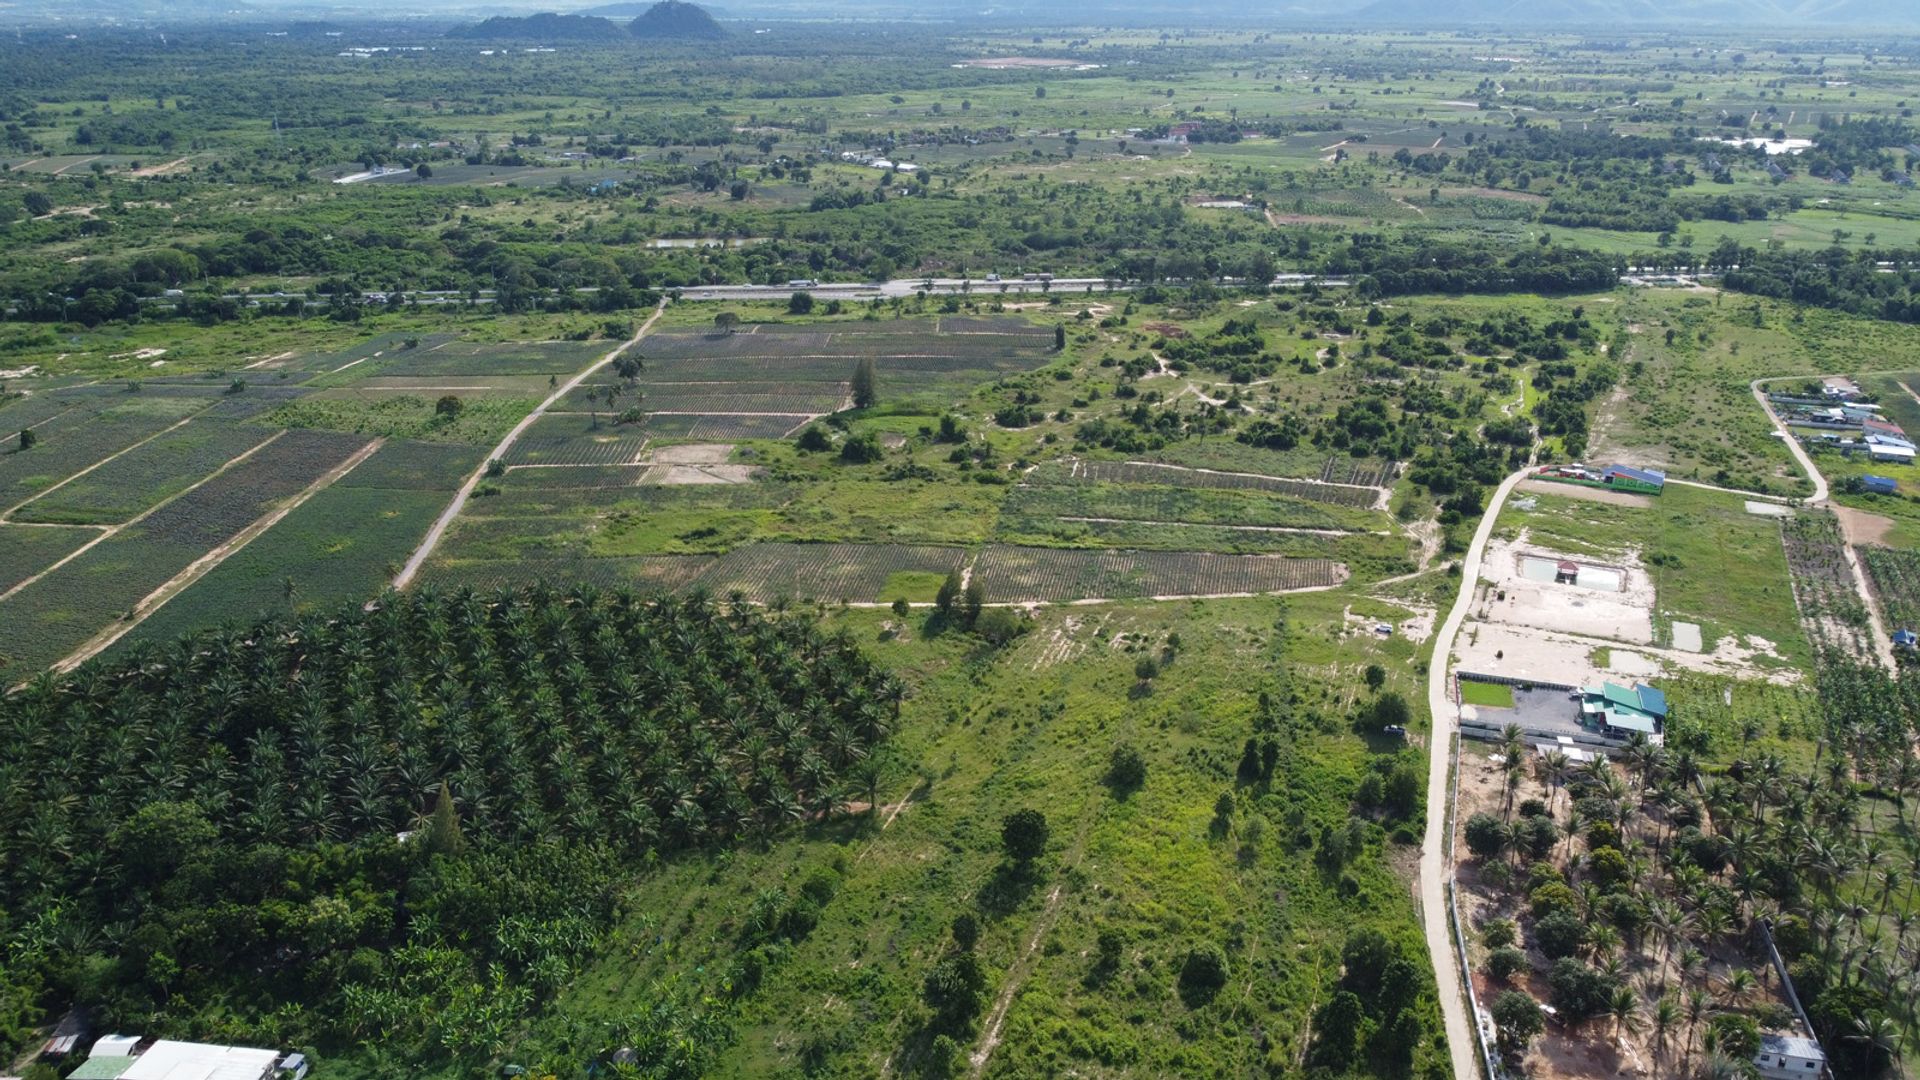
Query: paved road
(453, 509)
(1799, 452)
(1434, 868)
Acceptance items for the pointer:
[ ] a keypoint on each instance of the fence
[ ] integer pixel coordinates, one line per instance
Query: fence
(1489, 1061)
(1786, 983)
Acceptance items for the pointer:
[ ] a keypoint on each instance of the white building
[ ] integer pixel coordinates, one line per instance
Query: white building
(1786, 1057)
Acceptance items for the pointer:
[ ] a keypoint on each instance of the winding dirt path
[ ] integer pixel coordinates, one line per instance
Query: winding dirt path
(432, 539)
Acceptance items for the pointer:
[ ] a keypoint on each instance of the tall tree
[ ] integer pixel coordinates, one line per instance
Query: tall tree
(865, 393)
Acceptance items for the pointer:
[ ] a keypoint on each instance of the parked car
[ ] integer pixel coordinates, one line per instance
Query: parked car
(1395, 729)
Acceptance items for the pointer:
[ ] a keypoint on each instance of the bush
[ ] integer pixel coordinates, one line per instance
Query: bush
(1023, 834)
(1519, 1019)
(1560, 934)
(999, 625)
(814, 439)
(1126, 769)
(861, 450)
(1579, 992)
(1504, 964)
(1486, 836)
(1202, 975)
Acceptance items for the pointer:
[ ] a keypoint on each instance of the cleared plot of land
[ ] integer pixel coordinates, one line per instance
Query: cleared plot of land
(1486, 695)
(1021, 575)
(56, 614)
(646, 573)
(855, 572)
(1153, 502)
(145, 475)
(1142, 472)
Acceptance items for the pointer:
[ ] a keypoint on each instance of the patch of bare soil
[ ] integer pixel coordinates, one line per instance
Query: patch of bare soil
(1575, 491)
(1861, 527)
(1165, 330)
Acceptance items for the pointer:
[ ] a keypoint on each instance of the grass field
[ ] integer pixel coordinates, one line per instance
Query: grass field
(1486, 695)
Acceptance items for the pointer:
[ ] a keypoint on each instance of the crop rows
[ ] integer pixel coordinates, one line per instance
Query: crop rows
(1823, 584)
(79, 439)
(1134, 472)
(1020, 574)
(1361, 472)
(736, 398)
(575, 476)
(582, 450)
(145, 475)
(968, 324)
(342, 545)
(1895, 573)
(1139, 502)
(720, 426)
(62, 610)
(510, 358)
(26, 550)
(1059, 532)
(858, 572)
(405, 465)
(363, 351)
(646, 573)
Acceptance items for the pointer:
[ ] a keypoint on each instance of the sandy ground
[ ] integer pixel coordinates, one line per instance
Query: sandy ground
(696, 463)
(1563, 1052)
(1861, 527)
(1575, 491)
(1525, 652)
(1625, 616)
(1767, 509)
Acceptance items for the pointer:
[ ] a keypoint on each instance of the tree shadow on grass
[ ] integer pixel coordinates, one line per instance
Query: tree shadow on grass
(1009, 886)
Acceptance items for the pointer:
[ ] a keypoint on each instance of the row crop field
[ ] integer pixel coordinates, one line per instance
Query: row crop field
(607, 449)
(1895, 574)
(1066, 532)
(485, 358)
(857, 572)
(351, 356)
(85, 436)
(561, 477)
(26, 550)
(59, 612)
(343, 544)
(1144, 502)
(145, 475)
(721, 426)
(1823, 584)
(1022, 574)
(1141, 472)
(646, 573)
(715, 397)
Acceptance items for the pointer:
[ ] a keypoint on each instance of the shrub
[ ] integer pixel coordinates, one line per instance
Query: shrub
(1519, 1019)
(1579, 991)
(1126, 769)
(1486, 836)
(814, 439)
(1202, 975)
(999, 625)
(861, 450)
(1560, 934)
(1023, 834)
(1504, 964)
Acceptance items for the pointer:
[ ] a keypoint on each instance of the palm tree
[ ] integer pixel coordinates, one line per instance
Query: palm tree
(1697, 1005)
(1624, 1006)
(1665, 1016)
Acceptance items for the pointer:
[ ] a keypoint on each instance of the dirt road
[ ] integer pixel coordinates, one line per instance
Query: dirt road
(1434, 870)
(1793, 444)
(419, 557)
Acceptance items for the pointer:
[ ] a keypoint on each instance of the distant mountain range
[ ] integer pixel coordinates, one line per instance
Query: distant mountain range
(1635, 14)
(545, 26)
(668, 20)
